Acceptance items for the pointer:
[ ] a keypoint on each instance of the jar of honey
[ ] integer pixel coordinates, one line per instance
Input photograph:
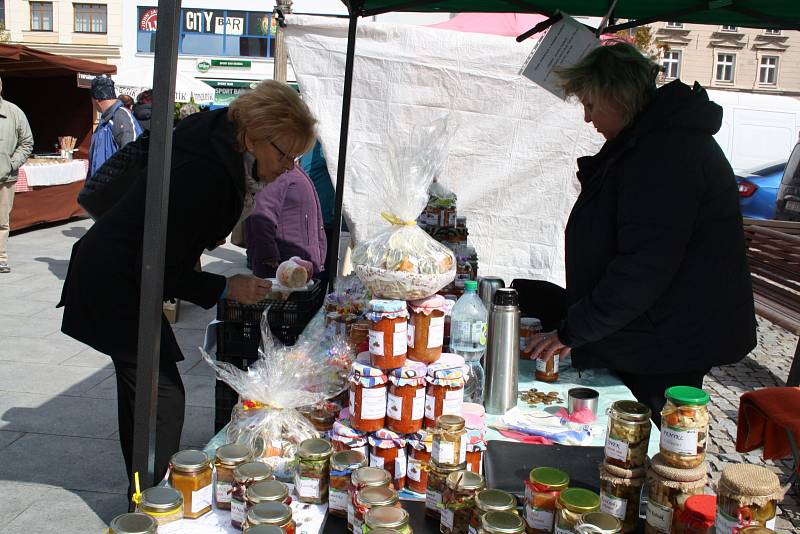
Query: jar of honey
(165, 505)
(367, 398)
(420, 445)
(387, 450)
(445, 392)
(426, 329)
(191, 474)
(388, 336)
(405, 403)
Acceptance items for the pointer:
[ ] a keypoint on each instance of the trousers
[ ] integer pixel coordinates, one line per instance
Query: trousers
(649, 389)
(6, 203)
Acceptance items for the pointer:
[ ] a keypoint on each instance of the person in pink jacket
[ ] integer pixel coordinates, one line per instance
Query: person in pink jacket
(286, 221)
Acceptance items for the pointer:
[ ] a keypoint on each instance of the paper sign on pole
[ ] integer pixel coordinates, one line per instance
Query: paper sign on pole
(566, 43)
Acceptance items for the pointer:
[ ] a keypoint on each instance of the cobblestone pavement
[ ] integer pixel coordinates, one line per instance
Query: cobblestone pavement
(767, 366)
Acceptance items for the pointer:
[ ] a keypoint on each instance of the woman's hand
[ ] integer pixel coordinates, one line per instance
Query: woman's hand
(545, 345)
(247, 289)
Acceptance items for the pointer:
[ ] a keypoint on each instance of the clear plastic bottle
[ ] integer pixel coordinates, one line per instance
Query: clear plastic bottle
(468, 331)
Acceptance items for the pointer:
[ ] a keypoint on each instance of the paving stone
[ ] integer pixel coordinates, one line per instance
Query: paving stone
(38, 349)
(59, 511)
(60, 415)
(47, 380)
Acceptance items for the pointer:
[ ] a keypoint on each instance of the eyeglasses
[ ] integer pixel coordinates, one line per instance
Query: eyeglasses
(284, 156)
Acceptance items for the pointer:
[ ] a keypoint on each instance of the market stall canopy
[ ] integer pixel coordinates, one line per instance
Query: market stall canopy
(784, 14)
(23, 61)
(132, 81)
(509, 24)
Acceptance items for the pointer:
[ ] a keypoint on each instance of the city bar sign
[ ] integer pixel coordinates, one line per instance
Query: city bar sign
(211, 21)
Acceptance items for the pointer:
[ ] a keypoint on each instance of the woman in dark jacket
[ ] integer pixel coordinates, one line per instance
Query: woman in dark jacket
(220, 159)
(658, 285)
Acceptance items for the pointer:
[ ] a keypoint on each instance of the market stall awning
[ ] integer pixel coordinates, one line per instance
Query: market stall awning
(18, 60)
(132, 81)
(749, 13)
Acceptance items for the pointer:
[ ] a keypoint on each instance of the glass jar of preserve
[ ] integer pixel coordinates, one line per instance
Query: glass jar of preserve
(699, 513)
(620, 493)
(449, 441)
(388, 333)
(405, 402)
(368, 498)
(490, 500)
(228, 457)
(364, 477)
(628, 434)
(426, 329)
(271, 513)
(244, 476)
(343, 464)
(458, 501)
(747, 495)
(528, 327)
(387, 517)
(133, 523)
(313, 470)
(420, 445)
(476, 446)
(322, 417)
(267, 491)
(191, 474)
(359, 336)
(387, 450)
(437, 484)
(542, 489)
(684, 426)
(346, 438)
(668, 489)
(598, 523)
(445, 393)
(572, 504)
(501, 523)
(263, 529)
(165, 505)
(367, 398)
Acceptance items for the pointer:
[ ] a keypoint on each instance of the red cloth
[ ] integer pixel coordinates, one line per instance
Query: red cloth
(764, 417)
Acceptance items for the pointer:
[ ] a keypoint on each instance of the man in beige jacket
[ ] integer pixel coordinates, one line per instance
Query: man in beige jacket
(16, 144)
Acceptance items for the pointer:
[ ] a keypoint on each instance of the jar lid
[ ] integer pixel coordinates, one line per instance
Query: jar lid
(464, 480)
(253, 471)
(233, 453)
(266, 491)
(502, 523)
(189, 461)
(495, 500)
(601, 520)
(386, 306)
(272, 513)
(386, 439)
(411, 369)
(554, 479)
(630, 410)
(699, 511)
(428, 305)
(384, 530)
(687, 395)
(614, 473)
(474, 414)
(264, 529)
(371, 476)
(445, 469)
(377, 496)
(363, 370)
(134, 523)
(579, 500)
(448, 360)
(421, 440)
(450, 422)
(529, 321)
(349, 460)
(343, 428)
(749, 484)
(697, 474)
(315, 449)
(386, 516)
(161, 499)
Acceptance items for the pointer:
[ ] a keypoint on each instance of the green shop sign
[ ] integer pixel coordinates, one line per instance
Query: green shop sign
(231, 63)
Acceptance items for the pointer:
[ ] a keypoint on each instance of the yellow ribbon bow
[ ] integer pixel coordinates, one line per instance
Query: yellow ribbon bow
(397, 221)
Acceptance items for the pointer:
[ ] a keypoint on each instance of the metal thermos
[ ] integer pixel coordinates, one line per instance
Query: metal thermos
(487, 285)
(502, 375)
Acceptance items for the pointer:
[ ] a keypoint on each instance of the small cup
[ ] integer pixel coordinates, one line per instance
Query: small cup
(582, 398)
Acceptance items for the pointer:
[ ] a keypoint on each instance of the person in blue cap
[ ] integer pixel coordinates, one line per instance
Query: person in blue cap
(117, 126)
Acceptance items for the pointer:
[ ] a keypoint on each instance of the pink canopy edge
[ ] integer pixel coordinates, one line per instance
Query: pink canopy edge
(508, 24)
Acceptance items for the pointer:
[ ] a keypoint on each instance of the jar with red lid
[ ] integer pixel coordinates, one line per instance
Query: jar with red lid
(698, 515)
(367, 398)
(426, 329)
(445, 392)
(405, 403)
(345, 438)
(387, 450)
(388, 333)
(476, 446)
(420, 445)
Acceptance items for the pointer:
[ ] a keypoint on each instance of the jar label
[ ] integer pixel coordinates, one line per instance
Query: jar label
(376, 342)
(539, 518)
(399, 340)
(613, 505)
(436, 333)
(432, 499)
(430, 406)
(223, 491)
(679, 441)
(616, 449)
(358, 526)
(444, 452)
(462, 451)
(659, 517)
(202, 498)
(726, 523)
(394, 407)
(453, 401)
(410, 331)
(418, 405)
(375, 461)
(337, 500)
(400, 464)
(373, 403)
(238, 511)
(541, 364)
(446, 518)
(472, 530)
(352, 400)
(414, 471)
(307, 487)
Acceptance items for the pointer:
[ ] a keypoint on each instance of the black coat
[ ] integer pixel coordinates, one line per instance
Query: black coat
(102, 288)
(657, 277)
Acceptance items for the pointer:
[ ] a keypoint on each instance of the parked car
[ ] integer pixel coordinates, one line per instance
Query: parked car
(758, 189)
(787, 206)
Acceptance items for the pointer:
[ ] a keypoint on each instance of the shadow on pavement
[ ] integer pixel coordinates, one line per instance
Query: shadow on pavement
(57, 267)
(76, 232)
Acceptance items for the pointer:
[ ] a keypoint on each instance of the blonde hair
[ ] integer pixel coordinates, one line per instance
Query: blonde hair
(273, 111)
(616, 74)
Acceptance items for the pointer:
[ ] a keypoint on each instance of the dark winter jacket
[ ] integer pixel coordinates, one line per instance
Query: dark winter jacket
(657, 277)
(102, 288)
(142, 112)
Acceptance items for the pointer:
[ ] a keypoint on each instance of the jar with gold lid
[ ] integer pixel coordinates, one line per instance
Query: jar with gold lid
(669, 488)
(501, 523)
(271, 513)
(628, 434)
(598, 523)
(369, 498)
(343, 463)
(191, 474)
(362, 478)
(437, 484)
(244, 476)
(227, 458)
(542, 489)
(313, 470)
(449, 441)
(133, 523)
(747, 496)
(490, 500)
(458, 501)
(163, 504)
(267, 491)
(387, 517)
(572, 504)
(620, 493)
(263, 529)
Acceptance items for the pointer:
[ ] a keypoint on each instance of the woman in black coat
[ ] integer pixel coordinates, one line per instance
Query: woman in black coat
(220, 159)
(658, 286)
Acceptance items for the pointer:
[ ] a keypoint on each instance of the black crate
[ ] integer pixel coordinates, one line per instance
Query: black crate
(225, 398)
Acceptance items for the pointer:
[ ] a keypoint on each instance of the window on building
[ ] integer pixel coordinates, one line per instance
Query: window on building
(772, 32)
(3, 13)
(725, 67)
(768, 70)
(91, 18)
(729, 28)
(41, 16)
(672, 64)
(674, 24)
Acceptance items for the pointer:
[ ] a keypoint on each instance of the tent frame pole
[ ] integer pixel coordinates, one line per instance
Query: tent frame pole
(154, 241)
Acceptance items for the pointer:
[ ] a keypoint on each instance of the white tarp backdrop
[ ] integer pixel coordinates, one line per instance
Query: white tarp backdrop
(512, 160)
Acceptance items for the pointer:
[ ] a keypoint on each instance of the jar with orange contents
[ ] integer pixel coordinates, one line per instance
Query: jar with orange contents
(387, 450)
(445, 392)
(420, 446)
(388, 333)
(405, 403)
(191, 474)
(367, 398)
(426, 329)
(542, 490)
(476, 446)
(345, 438)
